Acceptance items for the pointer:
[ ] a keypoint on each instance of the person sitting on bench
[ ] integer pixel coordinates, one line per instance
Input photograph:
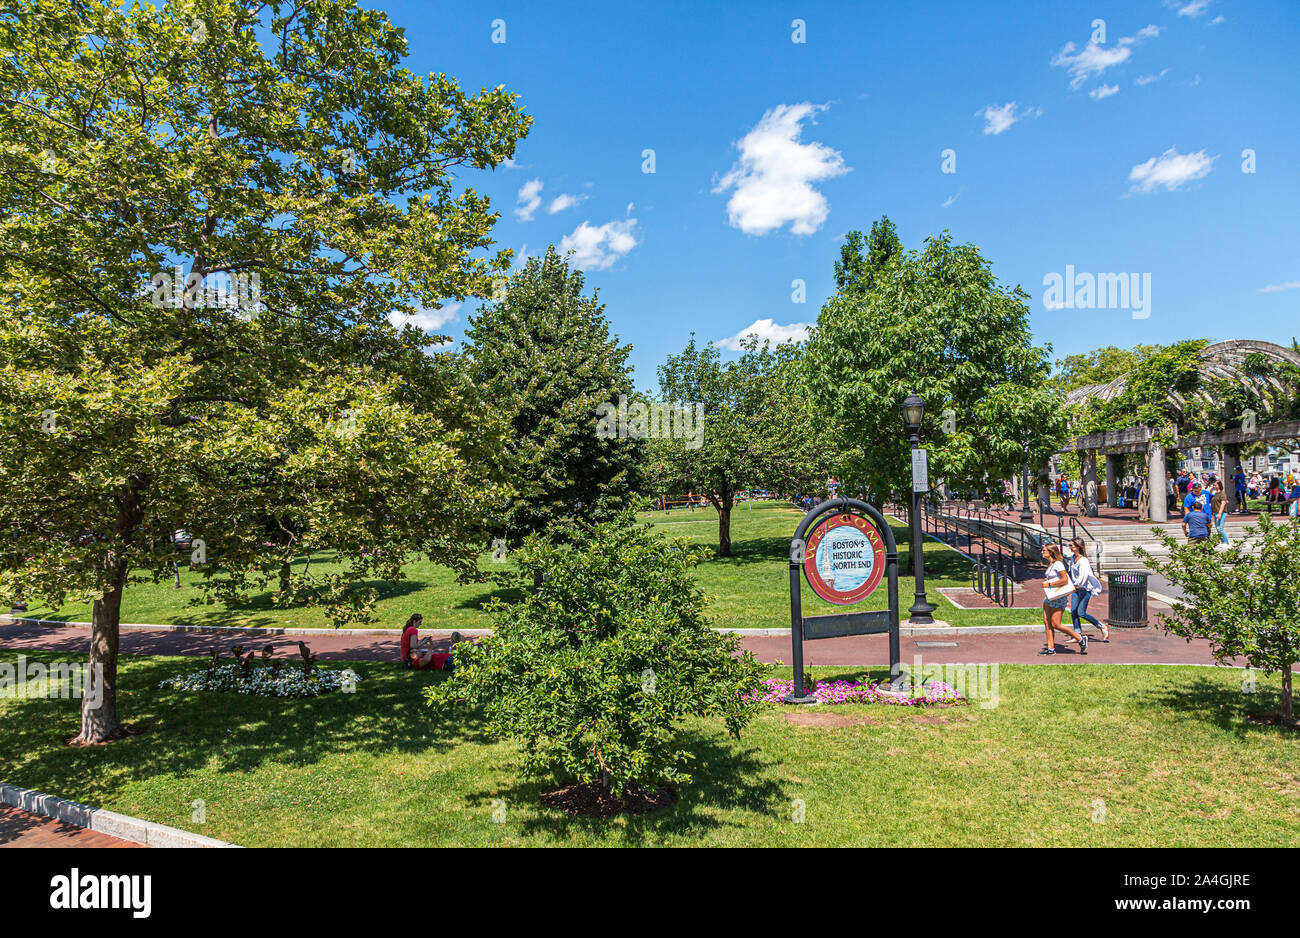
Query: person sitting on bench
(419, 654)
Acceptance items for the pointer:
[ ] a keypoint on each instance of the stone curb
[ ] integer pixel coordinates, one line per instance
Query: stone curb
(105, 822)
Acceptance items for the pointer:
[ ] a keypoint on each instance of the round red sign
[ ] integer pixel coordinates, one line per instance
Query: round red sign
(844, 559)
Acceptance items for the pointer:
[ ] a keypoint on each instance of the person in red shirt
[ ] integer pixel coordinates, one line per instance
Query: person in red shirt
(417, 654)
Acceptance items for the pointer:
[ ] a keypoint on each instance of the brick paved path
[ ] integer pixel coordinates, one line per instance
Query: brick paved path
(21, 829)
(1127, 646)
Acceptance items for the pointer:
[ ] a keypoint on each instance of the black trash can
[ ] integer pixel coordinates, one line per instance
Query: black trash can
(1126, 599)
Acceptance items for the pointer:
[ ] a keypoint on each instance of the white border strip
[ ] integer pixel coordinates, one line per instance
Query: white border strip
(105, 822)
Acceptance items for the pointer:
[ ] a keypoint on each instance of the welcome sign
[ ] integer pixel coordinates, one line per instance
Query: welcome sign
(844, 559)
(845, 549)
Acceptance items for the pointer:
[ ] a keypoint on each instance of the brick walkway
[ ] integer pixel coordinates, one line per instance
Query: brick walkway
(1127, 646)
(1029, 598)
(21, 829)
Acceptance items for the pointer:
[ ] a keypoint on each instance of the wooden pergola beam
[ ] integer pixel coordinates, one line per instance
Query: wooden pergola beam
(1136, 439)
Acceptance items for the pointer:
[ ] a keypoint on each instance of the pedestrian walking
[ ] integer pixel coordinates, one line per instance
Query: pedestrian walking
(1086, 586)
(1219, 512)
(1056, 596)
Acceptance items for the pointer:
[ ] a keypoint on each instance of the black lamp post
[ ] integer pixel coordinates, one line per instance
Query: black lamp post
(921, 612)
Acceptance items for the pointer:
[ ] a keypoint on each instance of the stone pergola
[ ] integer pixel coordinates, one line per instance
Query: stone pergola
(1223, 361)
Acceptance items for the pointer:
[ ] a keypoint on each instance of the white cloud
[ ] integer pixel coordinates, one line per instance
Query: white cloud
(630, 206)
(426, 320)
(767, 329)
(563, 201)
(1148, 79)
(1103, 91)
(1093, 59)
(530, 196)
(998, 118)
(774, 175)
(598, 247)
(1217, 20)
(1188, 7)
(1170, 169)
(1279, 287)
(951, 199)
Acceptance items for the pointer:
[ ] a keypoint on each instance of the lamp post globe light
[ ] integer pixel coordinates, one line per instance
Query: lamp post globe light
(921, 612)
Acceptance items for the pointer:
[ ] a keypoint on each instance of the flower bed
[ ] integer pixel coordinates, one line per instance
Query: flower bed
(857, 692)
(266, 682)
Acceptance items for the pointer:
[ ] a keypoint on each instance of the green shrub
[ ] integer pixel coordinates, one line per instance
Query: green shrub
(595, 670)
(1245, 603)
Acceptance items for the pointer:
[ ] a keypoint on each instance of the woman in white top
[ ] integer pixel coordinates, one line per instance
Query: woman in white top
(1086, 586)
(1057, 577)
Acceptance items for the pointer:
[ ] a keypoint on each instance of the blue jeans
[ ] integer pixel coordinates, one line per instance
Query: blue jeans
(1079, 608)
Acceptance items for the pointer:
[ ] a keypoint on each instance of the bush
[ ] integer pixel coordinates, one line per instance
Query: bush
(595, 670)
(1245, 604)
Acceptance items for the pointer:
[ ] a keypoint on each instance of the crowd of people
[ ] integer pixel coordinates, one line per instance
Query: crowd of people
(1276, 489)
(1273, 488)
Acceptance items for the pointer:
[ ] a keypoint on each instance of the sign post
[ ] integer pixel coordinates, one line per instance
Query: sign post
(845, 548)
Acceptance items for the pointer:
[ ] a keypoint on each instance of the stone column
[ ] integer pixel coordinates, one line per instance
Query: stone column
(1231, 453)
(1156, 482)
(1088, 482)
(1112, 481)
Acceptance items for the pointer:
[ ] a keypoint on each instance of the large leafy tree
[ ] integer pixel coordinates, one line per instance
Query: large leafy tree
(1099, 366)
(863, 259)
(759, 429)
(937, 324)
(281, 140)
(542, 355)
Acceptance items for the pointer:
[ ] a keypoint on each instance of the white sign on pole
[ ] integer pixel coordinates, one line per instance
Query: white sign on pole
(920, 471)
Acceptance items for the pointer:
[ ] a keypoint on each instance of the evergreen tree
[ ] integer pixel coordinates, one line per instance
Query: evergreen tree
(542, 355)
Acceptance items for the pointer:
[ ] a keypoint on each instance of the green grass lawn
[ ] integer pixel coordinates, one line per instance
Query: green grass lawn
(1170, 751)
(748, 590)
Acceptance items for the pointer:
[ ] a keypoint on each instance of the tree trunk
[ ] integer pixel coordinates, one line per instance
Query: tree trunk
(724, 526)
(1286, 692)
(285, 573)
(99, 722)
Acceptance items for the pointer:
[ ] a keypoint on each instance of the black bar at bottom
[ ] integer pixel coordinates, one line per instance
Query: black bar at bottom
(846, 623)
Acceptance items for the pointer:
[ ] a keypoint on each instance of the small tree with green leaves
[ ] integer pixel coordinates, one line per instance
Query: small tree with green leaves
(760, 429)
(594, 672)
(1246, 604)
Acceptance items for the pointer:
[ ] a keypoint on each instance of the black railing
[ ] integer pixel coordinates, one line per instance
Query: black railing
(993, 571)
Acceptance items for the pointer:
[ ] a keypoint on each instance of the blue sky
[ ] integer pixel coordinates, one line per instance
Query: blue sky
(1116, 156)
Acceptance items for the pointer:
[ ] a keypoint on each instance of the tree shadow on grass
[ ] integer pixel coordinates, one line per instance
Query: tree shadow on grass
(1226, 706)
(183, 732)
(727, 776)
(507, 594)
(756, 550)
